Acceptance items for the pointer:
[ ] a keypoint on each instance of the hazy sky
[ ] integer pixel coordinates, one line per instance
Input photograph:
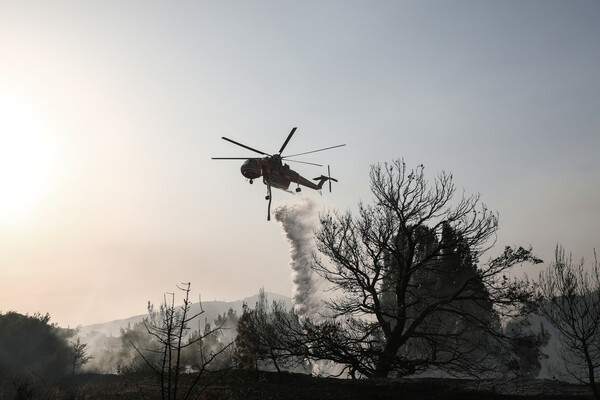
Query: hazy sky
(111, 110)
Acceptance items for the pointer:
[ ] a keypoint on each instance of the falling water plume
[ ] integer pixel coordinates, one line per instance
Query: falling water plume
(298, 221)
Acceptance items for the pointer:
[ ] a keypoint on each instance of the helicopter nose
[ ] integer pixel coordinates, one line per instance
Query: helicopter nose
(250, 171)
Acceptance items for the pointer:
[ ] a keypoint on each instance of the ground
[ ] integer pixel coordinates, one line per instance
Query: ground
(283, 386)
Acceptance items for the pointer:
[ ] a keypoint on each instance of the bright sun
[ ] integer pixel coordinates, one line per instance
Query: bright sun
(27, 160)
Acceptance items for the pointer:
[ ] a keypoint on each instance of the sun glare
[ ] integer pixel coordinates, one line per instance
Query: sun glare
(27, 160)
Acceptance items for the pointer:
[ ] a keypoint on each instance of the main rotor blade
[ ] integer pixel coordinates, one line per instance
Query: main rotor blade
(314, 151)
(287, 140)
(246, 147)
(236, 158)
(304, 162)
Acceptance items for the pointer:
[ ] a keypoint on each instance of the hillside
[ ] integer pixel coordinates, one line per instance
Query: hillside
(211, 310)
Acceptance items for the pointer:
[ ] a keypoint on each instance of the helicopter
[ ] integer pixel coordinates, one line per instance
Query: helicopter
(275, 172)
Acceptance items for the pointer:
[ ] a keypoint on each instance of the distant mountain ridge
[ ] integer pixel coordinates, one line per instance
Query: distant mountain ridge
(212, 309)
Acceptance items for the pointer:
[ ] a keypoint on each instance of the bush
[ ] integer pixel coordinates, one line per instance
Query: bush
(30, 345)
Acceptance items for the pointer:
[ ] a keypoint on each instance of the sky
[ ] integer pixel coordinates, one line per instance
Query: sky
(110, 112)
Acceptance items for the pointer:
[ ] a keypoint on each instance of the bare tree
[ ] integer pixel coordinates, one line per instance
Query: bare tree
(571, 302)
(411, 293)
(169, 329)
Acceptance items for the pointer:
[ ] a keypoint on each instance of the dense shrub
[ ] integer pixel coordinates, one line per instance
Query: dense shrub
(32, 345)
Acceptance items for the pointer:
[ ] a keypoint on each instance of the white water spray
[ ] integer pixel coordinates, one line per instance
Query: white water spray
(298, 221)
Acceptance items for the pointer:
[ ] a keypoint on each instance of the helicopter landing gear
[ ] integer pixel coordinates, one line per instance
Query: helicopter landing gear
(251, 181)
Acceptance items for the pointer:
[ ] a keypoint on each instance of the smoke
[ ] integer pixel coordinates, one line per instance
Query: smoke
(298, 221)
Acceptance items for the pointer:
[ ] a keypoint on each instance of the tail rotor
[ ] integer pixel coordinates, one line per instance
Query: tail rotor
(324, 178)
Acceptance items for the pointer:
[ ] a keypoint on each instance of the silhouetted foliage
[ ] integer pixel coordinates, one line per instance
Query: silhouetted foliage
(264, 339)
(78, 355)
(527, 345)
(128, 358)
(213, 344)
(31, 345)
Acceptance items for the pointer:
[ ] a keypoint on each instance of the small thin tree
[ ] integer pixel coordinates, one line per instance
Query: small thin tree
(570, 295)
(78, 355)
(169, 328)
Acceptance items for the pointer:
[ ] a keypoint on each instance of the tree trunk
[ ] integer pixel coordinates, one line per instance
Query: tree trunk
(385, 361)
(591, 374)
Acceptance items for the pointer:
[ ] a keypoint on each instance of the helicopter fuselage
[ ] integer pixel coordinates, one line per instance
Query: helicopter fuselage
(275, 173)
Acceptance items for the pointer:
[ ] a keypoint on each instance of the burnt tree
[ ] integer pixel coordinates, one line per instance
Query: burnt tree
(410, 292)
(570, 296)
(163, 351)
